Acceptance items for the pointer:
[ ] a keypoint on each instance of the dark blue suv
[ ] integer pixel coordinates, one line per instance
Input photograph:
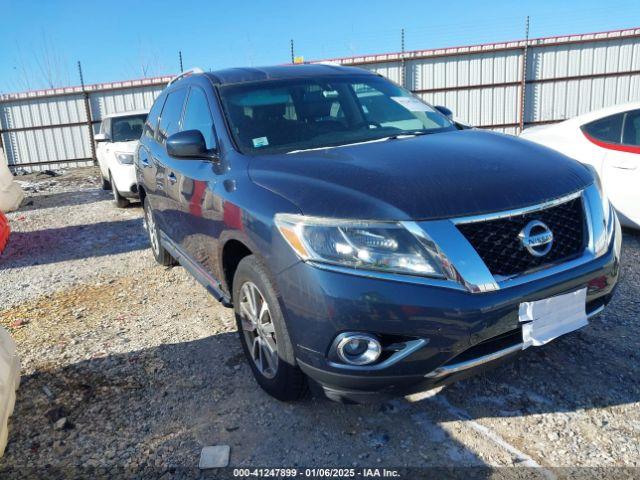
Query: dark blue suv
(369, 244)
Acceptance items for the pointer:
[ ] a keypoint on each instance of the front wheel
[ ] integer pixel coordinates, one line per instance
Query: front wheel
(106, 184)
(121, 202)
(263, 333)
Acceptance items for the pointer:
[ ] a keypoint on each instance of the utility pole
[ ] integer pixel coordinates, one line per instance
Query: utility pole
(180, 58)
(402, 63)
(523, 77)
(87, 112)
(293, 57)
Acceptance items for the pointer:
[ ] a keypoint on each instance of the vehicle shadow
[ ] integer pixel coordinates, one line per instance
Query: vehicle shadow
(187, 395)
(74, 242)
(63, 199)
(184, 396)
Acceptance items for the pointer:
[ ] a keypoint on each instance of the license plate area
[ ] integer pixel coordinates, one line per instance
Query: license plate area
(546, 320)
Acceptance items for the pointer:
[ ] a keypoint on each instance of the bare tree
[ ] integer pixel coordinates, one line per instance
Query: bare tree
(41, 65)
(52, 66)
(146, 63)
(21, 78)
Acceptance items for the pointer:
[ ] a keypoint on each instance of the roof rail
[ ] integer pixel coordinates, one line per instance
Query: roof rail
(186, 73)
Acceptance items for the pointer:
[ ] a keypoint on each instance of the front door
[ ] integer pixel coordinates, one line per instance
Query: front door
(201, 213)
(167, 206)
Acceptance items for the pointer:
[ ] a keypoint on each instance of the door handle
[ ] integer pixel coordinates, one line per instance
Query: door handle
(172, 178)
(625, 166)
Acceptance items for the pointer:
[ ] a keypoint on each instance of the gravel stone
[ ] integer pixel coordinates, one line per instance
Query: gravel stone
(148, 368)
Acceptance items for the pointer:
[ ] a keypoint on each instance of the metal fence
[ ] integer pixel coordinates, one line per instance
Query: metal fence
(48, 129)
(502, 86)
(509, 86)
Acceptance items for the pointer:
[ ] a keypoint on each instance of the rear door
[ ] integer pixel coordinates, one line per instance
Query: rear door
(197, 181)
(146, 165)
(166, 168)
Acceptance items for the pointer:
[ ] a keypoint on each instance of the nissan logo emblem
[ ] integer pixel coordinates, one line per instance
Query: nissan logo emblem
(537, 238)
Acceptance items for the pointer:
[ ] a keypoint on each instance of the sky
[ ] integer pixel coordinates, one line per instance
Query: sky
(42, 41)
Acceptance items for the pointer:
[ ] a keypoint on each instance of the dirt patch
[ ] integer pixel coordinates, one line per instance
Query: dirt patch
(133, 367)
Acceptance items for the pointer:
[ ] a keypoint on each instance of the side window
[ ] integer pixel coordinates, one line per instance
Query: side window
(103, 126)
(631, 131)
(198, 117)
(152, 118)
(170, 118)
(608, 129)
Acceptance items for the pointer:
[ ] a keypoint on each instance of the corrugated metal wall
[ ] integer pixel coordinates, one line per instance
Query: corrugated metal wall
(50, 129)
(481, 88)
(568, 80)
(482, 84)
(26, 144)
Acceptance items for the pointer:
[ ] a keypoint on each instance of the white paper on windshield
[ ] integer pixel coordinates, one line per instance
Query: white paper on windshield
(260, 142)
(411, 104)
(547, 319)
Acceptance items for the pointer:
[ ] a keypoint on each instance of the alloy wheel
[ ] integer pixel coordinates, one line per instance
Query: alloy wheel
(258, 329)
(153, 234)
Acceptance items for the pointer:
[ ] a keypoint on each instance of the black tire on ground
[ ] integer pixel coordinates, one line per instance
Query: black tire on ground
(287, 383)
(159, 252)
(120, 201)
(106, 184)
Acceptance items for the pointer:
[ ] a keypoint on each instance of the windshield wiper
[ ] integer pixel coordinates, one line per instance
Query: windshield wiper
(411, 133)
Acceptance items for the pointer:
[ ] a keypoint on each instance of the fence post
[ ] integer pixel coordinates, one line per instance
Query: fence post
(403, 66)
(523, 79)
(3, 155)
(87, 111)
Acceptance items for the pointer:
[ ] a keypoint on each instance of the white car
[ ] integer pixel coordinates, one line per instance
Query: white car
(608, 140)
(116, 146)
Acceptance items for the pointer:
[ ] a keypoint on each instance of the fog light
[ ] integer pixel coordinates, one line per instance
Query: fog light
(358, 349)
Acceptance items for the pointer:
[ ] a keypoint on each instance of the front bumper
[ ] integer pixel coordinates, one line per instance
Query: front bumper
(124, 178)
(462, 330)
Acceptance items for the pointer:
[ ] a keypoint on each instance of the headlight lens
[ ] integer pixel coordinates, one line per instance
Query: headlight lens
(608, 215)
(124, 158)
(387, 247)
(606, 206)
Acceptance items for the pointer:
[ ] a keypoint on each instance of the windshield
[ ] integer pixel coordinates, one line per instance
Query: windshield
(300, 114)
(125, 129)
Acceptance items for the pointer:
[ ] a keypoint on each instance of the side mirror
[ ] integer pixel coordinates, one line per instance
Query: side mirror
(445, 111)
(189, 144)
(102, 137)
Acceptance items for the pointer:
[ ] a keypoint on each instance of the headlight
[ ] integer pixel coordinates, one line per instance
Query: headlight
(608, 216)
(386, 247)
(124, 158)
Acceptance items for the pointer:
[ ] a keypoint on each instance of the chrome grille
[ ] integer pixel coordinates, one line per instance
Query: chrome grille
(497, 242)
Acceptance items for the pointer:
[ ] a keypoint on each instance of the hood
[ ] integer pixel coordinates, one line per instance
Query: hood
(443, 175)
(125, 147)
(536, 130)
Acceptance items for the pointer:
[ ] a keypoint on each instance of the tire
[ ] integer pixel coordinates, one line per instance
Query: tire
(277, 373)
(159, 252)
(120, 201)
(106, 184)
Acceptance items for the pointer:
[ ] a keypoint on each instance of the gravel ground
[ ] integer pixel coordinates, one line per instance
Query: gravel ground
(129, 367)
